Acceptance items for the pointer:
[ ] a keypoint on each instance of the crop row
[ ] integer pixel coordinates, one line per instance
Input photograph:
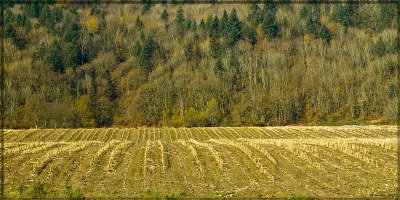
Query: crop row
(199, 134)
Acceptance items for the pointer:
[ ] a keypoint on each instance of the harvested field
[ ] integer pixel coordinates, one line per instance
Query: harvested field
(356, 161)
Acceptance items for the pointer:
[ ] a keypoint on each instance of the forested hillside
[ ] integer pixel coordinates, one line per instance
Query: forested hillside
(199, 64)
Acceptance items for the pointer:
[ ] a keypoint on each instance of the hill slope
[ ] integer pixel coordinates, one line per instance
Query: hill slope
(196, 65)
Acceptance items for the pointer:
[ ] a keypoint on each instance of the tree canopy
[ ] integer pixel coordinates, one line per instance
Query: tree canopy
(144, 64)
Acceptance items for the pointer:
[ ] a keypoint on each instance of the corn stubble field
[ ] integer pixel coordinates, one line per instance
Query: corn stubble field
(296, 161)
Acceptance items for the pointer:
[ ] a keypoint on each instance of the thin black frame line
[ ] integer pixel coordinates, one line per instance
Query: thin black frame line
(202, 2)
(398, 99)
(2, 51)
(2, 102)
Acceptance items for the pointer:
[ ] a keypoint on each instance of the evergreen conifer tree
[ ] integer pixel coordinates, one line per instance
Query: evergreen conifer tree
(325, 34)
(380, 48)
(270, 27)
(164, 15)
(219, 67)
(235, 29)
(180, 21)
(55, 57)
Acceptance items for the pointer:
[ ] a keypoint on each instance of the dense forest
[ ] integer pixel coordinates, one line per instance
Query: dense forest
(169, 64)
